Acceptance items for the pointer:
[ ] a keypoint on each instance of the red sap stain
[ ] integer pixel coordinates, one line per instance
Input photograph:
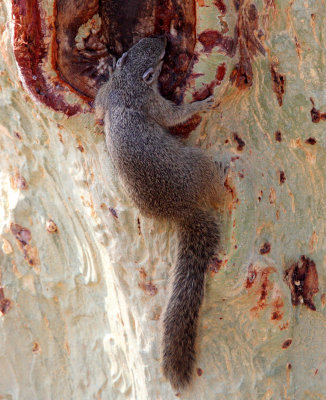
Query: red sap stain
(207, 89)
(265, 249)
(221, 6)
(286, 344)
(23, 237)
(215, 265)
(241, 143)
(284, 326)
(278, 83)
(311, 141)
(302, 278)
(184, 129)
(147, 286)
(278, 136)
(265, 286)
(17, 182)
(316, 115)
(18, 135)
(252, 274)
(5, 303)
(179, 16)
(210, 39)
(277, 305)
(220, 72)
(113, 212)
(138, 225)
(248, 42)
(282, 177)
(51, 226)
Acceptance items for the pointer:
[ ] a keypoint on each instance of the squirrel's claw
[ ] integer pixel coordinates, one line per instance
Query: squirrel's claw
(208, 103)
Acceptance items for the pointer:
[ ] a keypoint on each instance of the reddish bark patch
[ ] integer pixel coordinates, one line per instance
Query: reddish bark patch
(286, 344)
(18, 135)
(221, 6)
(215, 265)
(5, 303)
(284, 326)
(265, 249)
(316, 115)
(208, 89)
(241, 143)
(278, 136)
(23, 237)
(211, 38)
(323, 299)
(51, 226)
(31, 51)
(270, 3)
(205, 91)
(282, 177)
(220, 72)
(252, 275)
(184, 129)
(178, 16)
(18, 182)
(265, 286)
(138, 226)
(147, 286)
(302, 278)
(232, 191)
(278, 83)
(277, 313)
(311, 141)
(36, 348)
(113, 212)
(249, 44)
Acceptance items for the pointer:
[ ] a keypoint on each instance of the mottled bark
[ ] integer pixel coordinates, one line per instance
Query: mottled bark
(83, 277)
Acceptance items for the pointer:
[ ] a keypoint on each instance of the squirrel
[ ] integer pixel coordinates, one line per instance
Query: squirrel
(166, 180)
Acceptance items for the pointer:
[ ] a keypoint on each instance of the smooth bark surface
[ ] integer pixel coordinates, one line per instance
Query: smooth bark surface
(84, 277)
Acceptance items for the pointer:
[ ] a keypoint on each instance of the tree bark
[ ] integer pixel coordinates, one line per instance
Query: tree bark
(83, 276)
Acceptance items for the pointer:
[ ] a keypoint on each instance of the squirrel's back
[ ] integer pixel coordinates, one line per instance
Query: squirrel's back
(163, 177)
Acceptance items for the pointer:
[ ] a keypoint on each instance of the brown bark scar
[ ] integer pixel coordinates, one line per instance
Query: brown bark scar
(302, 279)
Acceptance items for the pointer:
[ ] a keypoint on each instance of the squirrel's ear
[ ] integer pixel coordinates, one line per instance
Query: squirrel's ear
(122, 60)
(149, 76)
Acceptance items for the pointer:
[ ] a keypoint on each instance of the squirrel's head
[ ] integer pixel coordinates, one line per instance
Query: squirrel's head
(144, 60)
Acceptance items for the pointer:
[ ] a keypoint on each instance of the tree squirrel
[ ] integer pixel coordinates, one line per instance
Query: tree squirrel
(166, 180)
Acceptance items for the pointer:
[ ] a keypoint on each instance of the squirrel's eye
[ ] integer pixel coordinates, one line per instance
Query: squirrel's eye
(148, 76)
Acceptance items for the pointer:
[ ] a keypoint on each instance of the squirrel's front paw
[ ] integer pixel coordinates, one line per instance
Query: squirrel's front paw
(223, 169)
(207, 104)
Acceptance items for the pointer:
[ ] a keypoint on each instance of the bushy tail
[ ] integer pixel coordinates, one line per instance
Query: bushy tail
(198, 239)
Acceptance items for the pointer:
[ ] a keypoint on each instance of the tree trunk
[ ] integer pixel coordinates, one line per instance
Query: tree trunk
(84, 276)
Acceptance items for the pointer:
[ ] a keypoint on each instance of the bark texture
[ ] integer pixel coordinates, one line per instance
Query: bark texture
(83, 277)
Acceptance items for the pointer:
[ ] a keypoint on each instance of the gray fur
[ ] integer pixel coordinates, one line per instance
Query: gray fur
(166, 180)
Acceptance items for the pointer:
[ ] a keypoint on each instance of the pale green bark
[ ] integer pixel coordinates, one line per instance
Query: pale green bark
(83, 324)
